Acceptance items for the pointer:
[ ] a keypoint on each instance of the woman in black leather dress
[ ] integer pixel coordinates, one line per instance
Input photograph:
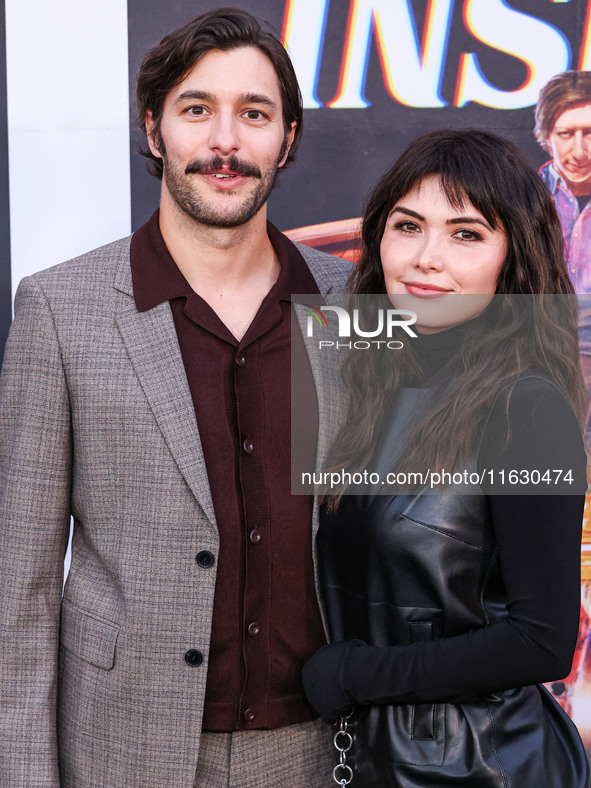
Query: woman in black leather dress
(447, 611)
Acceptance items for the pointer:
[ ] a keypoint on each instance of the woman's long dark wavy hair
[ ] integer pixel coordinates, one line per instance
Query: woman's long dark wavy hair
(519, 334)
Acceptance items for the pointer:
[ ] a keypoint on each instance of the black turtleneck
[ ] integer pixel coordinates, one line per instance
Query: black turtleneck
(434, 351)
(543, 434)
(538, 539)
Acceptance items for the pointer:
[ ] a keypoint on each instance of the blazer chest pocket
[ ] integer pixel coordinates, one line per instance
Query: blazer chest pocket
(92, 639)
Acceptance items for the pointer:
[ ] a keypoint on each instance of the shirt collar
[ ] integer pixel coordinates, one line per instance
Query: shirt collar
(156, 277)
(553, 178)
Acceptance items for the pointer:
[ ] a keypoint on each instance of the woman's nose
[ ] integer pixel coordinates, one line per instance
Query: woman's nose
(430, 256)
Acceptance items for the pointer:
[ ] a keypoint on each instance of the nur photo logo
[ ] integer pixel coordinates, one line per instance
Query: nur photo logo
(348, 326)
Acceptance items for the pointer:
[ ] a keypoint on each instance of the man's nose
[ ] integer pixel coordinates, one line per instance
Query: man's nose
(224, 137)
(581, 147)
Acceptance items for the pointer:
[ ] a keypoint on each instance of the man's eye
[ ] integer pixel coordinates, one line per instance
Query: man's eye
(254, 114)
(195, 111)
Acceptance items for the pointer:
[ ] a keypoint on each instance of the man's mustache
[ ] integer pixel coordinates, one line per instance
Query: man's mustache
(217, 164)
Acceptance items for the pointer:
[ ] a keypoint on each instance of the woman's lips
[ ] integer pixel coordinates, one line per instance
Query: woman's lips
(424, 290)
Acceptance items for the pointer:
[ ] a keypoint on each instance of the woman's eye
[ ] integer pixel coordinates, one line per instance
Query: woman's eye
(468, 235)
(407, 227)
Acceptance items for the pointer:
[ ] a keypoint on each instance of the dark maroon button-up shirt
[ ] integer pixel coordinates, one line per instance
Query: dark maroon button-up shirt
(266, 620)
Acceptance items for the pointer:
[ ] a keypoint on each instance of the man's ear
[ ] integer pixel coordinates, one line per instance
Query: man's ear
(152, 135)
(288, 143)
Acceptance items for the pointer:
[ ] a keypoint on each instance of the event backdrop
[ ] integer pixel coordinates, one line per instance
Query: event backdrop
(374, 74)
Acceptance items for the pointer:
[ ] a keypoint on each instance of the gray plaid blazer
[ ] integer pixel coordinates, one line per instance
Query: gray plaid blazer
(97, 423)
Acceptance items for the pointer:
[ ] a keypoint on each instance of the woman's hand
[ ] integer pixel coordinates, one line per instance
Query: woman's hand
(324, 679)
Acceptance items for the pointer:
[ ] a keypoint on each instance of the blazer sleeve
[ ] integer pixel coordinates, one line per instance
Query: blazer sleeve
(35, 469)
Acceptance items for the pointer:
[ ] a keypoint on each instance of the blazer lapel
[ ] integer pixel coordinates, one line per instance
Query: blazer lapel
(331, 394)
(332, 411)
(152, 345)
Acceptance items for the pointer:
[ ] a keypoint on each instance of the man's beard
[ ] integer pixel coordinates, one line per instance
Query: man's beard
(188, 199)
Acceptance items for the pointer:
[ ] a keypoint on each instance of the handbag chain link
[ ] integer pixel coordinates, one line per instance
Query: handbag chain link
(343, 741)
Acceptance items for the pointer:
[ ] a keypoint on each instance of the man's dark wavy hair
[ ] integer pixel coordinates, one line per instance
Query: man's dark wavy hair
(168, 63)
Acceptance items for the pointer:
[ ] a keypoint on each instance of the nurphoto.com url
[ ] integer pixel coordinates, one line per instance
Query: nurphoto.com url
(334, 480)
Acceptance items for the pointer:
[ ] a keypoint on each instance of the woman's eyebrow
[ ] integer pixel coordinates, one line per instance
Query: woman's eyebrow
(455, 220)
(408, 212)
(469, 220)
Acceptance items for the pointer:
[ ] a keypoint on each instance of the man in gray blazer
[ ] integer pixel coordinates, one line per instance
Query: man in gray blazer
(145, 393)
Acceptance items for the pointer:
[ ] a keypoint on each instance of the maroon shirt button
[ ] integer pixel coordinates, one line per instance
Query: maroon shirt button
(241, 360)
(249, 715)
(253, 629)
(248, 446)
(255, 536)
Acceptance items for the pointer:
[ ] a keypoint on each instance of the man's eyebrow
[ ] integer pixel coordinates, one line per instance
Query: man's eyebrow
(257, 98)
(193, 95)
(244, 98)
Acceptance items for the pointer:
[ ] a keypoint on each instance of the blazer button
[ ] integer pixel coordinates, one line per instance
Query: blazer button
(248, 446)
(241, 360)
(253, 629)
(255, 536)
(205, 559)
(249, 715)
(193, 657)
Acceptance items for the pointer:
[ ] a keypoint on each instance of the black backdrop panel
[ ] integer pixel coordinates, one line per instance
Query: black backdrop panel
(344, 151)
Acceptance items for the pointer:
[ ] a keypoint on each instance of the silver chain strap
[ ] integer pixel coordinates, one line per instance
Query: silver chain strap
(343, 741)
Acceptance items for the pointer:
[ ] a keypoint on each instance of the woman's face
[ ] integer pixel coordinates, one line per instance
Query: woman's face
(430, 251)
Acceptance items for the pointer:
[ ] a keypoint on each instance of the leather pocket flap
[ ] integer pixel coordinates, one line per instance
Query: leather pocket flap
(92, 639)
(420, 631)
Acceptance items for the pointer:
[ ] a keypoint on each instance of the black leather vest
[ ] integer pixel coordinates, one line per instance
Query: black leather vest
(401, 569)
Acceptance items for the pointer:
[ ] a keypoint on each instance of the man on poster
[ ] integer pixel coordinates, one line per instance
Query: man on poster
(563, 128)
(145, 393)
